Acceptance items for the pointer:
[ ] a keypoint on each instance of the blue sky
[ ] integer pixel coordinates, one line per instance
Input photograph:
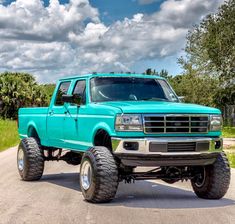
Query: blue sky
(112, 11)
(52, 39)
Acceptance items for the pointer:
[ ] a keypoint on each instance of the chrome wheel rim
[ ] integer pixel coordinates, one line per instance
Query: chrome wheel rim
(201, 180)
(86, 175)
(20, 159)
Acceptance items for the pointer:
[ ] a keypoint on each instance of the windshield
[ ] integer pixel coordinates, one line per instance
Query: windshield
(130, 89)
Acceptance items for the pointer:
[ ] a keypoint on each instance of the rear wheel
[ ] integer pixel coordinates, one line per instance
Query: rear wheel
(213, 180)
(98, 175)
(30, 160)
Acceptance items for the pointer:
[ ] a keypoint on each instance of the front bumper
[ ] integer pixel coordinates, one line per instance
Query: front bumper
(156, 151)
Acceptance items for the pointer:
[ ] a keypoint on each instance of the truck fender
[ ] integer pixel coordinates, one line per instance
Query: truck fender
(102, 126)
(31, 126)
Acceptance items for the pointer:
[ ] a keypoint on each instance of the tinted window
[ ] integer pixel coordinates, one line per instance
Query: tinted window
(80, 90)
(130, 89)
(63, 89)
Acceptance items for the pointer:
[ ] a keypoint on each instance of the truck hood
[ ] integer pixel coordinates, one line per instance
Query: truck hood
(161, 107)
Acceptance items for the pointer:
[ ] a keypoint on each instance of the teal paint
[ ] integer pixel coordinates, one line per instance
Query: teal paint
(76, 130)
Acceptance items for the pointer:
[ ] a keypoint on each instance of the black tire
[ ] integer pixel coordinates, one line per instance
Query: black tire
(33, 160)
(103, 176)
(216, 179)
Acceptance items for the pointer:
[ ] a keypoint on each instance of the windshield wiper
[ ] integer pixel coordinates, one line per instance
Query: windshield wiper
(154, 99)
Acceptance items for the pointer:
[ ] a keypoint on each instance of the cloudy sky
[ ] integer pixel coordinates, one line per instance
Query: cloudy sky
(56, 38)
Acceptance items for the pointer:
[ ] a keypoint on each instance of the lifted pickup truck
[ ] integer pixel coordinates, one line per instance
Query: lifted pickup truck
(112, 123)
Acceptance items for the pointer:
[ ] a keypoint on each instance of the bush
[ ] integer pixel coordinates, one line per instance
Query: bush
(19, 90)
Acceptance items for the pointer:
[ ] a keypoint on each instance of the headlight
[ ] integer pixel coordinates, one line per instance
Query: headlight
(128, 122)
(215, 122)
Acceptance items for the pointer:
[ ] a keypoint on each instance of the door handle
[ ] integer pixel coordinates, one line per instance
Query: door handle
(51, 113)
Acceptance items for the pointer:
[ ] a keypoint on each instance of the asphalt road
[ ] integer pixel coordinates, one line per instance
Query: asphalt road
(57, 198)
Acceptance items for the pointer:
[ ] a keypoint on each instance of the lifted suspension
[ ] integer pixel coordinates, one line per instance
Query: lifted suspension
(56, 155)
(168, 174)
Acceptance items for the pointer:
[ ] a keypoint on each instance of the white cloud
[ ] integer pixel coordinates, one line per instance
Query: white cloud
(184, 13)
(30, 20)
(61, 40)
(90, 36)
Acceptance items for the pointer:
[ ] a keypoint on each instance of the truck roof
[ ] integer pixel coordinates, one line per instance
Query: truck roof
(91, 75)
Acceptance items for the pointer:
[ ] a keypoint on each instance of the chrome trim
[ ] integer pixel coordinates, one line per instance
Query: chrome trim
(144, 143)
(20, 159)
(86, 175)
(165, 121)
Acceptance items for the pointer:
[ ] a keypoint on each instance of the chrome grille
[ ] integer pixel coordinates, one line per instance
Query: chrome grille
(176, 123)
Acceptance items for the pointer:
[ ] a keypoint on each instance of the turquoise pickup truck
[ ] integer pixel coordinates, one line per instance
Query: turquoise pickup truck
(112, 123)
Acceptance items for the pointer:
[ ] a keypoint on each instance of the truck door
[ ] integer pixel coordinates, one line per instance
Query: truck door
(56, 116)
(74, 119)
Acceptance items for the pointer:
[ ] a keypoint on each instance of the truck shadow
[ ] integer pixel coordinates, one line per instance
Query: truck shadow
(144, 194)
(67, 180)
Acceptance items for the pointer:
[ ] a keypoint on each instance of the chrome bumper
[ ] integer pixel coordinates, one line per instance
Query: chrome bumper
(144, 144)
(161, 156)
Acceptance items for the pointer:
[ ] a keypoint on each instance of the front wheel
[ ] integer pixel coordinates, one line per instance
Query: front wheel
(30, 160)
(98, 175)
(213, 180)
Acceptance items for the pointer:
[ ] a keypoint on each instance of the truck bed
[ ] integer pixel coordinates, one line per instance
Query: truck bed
(33, 117)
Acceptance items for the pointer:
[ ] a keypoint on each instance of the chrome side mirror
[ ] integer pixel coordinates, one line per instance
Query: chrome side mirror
(181, 98)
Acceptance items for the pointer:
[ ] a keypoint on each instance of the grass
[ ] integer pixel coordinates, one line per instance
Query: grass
(229, 132)
(230, 148)
(8, 134)
(230, 152)
(231, 158)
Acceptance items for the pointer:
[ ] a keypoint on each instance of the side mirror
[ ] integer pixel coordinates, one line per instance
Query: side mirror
(181, 98)
(75, 99)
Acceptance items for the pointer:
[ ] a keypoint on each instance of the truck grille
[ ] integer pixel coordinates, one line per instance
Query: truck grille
(175, 123)
(181, 146)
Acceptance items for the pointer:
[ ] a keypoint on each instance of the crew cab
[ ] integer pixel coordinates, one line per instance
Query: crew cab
(111, 124)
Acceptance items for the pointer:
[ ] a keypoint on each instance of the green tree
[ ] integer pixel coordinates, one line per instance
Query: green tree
(210, 45)
(19, 90)
(149, 71)
(210, 53)
(164, 73)
(225, 96)
(196, 88)
(48, 89)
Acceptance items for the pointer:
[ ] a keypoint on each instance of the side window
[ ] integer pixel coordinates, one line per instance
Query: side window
(80, 89)
(63, 89)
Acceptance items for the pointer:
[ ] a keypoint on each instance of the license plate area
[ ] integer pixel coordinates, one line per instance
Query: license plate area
(178, 146)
